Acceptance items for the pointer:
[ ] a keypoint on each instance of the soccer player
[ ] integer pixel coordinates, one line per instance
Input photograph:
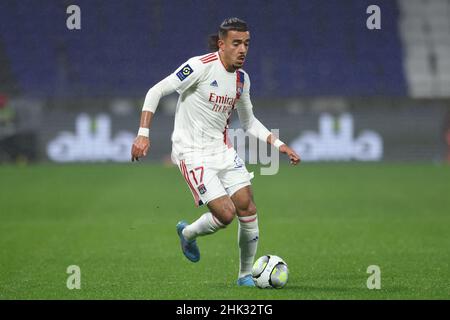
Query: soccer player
(211, 86)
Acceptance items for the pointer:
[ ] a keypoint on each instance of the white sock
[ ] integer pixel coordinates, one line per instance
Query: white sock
(204, 225)
(248, 235)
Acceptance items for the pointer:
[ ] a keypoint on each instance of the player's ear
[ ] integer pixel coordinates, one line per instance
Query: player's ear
(221, 44)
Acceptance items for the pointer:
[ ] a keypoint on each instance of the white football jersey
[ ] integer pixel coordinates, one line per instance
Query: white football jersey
(208, 95)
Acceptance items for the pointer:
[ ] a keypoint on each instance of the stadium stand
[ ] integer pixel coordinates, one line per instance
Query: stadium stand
(297, 49)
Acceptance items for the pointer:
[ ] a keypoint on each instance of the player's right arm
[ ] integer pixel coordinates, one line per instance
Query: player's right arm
(142, 142)
(184, 77)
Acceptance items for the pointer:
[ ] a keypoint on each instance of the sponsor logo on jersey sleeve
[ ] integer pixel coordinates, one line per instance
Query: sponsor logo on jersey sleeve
(184, 72)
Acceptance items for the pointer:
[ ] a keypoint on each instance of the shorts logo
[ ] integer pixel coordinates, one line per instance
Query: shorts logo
(202, 188)
(238, 162)
(184, 72)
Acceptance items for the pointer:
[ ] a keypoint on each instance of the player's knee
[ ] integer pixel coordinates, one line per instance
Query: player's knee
(249, 209)
(227, 219)
(228, 213)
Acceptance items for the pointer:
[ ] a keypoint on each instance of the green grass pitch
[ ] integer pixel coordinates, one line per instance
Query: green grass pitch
(328, 221)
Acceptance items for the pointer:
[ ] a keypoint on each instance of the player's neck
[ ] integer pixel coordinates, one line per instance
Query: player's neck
(229, 68)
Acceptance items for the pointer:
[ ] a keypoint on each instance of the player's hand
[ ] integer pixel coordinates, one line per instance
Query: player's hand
(293, 157)
(139, 148)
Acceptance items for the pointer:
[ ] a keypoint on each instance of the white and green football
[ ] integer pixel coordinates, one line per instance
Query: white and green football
(270, 271)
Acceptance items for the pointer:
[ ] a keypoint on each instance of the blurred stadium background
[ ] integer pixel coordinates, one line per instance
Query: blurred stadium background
(75, 95)
(338, 92)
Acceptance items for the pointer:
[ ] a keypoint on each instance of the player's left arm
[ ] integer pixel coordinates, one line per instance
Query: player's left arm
(284, 148)
(253, 126)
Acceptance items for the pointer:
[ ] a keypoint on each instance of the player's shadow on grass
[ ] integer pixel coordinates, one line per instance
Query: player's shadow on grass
(314, 290)
(317, 289)
(334, 289)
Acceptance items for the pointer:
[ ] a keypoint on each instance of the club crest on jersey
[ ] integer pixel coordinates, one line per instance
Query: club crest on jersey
(239, 84)
(202, 188)
(184, 72)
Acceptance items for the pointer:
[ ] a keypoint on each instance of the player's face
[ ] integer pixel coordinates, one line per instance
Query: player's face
(235, 47)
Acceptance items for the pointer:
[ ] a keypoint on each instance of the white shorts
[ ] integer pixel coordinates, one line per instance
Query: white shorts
(210, 177)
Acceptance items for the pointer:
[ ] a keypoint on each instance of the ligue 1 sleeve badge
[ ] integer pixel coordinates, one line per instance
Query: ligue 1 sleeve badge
(184, 72)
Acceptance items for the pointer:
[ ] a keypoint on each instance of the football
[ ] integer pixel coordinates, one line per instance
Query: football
(270, 271)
